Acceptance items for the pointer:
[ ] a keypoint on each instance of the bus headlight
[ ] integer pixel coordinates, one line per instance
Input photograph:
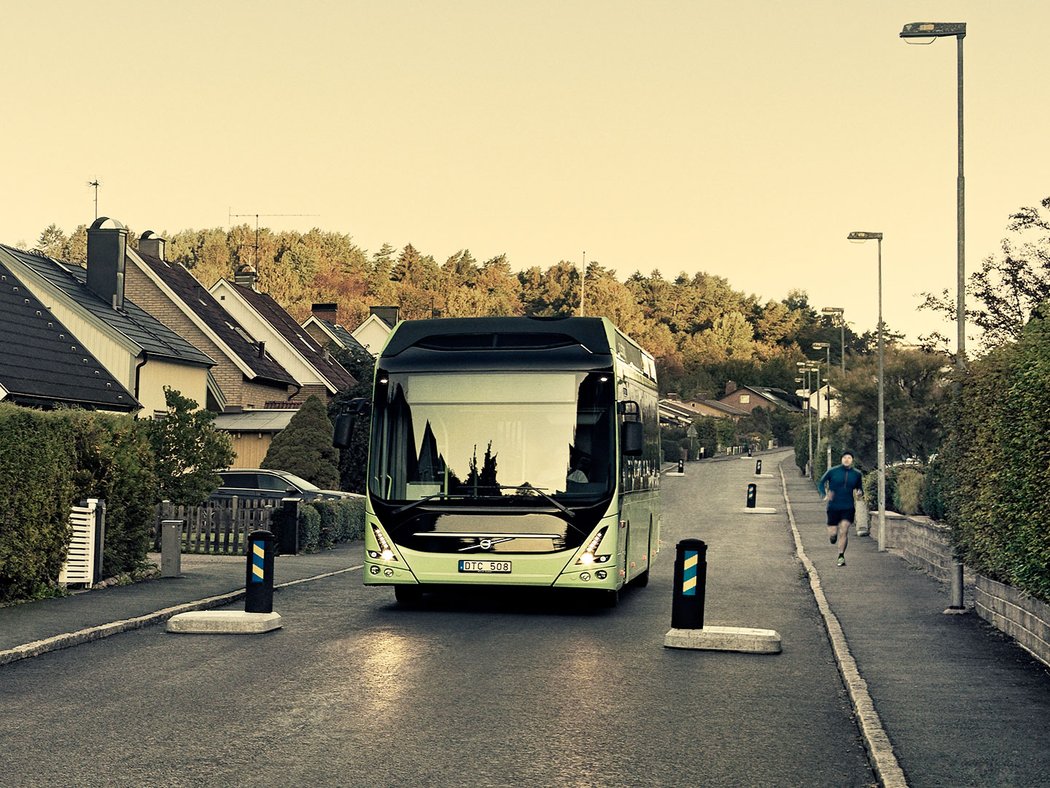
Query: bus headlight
(589, 556)
(385, 552)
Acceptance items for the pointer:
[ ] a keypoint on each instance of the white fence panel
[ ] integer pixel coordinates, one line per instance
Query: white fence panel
(80, 559)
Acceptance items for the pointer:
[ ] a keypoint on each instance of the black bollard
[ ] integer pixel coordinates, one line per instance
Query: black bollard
(752, 494)
(690, 585)
(758, 467)
(258, 583)
(681, 466)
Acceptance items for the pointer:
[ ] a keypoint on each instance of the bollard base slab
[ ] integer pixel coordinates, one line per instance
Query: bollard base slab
(762, 475)
(674, 473)
(224, 622)
(759, 510)
(752, 641)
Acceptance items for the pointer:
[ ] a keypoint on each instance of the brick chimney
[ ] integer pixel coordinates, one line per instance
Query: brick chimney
(388, 314)
(326, 312)
(152, 244)
(107, 245)
(730, 386)
(245, 276)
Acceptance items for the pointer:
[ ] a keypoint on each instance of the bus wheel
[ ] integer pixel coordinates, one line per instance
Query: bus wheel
(642, 580)
(608, 599)
(408, 595)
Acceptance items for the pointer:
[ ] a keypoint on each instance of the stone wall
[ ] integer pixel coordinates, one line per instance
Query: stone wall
(922, 542)
(925, 544)
(1024, 619)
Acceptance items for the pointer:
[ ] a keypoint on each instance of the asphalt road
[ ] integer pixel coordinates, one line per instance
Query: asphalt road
(496, 689)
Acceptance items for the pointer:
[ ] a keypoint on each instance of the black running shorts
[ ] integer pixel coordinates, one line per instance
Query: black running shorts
(836, 516)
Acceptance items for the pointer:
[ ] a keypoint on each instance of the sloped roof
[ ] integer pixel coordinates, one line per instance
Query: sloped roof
(339, 334)
(254, 420)
(774, 396)
(139, 327)
(725, 407)
(42, 364)
(197, 298)
(296, 336)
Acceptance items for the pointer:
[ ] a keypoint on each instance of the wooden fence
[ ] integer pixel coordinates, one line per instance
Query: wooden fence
(219, 528)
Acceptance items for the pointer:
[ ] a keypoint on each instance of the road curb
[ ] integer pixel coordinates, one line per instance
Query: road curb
(880, 749)
(88, 634)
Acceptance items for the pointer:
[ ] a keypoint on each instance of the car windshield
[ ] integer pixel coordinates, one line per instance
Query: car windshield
(297, 481)
(475, 435)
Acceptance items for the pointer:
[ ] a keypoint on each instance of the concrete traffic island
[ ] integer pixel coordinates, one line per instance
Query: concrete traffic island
(751, 641)
(224, 622)
(258, 615)
(687, 611)
(752, 499)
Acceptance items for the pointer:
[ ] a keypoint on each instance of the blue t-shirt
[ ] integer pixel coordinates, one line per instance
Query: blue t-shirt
(841, 482)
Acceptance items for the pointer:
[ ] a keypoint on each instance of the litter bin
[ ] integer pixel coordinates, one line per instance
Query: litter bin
(285, 526)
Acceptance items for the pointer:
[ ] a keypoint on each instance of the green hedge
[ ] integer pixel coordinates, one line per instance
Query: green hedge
(996, 475)
(323, 524)
(52, 460)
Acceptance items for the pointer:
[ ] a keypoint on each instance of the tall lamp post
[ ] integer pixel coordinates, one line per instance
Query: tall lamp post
(840, 312)
(826, 346)
(866, 236)
(803, 368)
(926, 33)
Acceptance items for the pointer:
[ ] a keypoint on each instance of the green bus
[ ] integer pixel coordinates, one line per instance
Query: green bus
(511, 451)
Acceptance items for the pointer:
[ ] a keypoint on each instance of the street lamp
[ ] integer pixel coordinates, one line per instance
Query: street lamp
(926, 33)
(864, 236)
(825, 346)
(805, 369)
(840, 312)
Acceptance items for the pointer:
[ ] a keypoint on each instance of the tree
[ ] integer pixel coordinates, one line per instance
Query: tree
(51, 241)
(188, 450)
(1007, 291)
(305, 448)
(915, 388)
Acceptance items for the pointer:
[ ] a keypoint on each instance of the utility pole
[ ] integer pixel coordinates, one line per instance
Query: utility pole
(95, 184)
(583, 283)
(233, 216)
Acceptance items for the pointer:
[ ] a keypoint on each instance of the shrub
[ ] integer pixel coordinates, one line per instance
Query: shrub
(933, 490)
(907, 490)
(336, 521)
(309, 528)
(35, 500)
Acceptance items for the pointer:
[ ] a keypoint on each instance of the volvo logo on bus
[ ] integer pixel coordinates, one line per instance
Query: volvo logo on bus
(485, 544)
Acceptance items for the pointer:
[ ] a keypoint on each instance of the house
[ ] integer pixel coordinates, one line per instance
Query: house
(748, 398)
(246, 375)
(372, 334)
(312, 366)
(823, 401)
(678, 412)
(323, 325)
(42, 363)
(136, 349)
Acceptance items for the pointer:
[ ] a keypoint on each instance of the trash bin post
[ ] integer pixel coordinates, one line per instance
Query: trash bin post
(171, 548)
(690, 585)
(287, 530)
(258, 583)
(752, 495)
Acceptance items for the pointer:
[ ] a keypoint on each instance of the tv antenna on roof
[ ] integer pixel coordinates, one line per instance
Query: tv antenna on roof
(257, 215)
(96, 184)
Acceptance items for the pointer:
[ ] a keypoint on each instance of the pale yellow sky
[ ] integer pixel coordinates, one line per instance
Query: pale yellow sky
(745, 139)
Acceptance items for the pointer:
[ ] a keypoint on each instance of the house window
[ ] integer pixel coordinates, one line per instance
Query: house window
(745, 399)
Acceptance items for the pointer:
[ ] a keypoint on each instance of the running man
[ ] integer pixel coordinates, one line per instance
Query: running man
(839, 486)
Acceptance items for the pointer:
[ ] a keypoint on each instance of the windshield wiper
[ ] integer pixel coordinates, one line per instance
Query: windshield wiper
(539, 491)
(420, 502)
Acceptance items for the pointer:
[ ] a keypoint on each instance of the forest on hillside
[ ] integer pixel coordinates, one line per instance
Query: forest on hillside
(702, 332)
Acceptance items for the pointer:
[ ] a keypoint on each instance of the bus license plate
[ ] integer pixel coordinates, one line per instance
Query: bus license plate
(497, 567)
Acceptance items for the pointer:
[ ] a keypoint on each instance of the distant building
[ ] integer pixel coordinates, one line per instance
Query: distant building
(747, 398)
(373, 332)
(136, 349)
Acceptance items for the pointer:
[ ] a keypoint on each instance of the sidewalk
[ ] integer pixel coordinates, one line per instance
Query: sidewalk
(960, 703)
(45, 625)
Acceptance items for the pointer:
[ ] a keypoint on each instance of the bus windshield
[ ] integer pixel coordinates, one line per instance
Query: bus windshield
(470, 435)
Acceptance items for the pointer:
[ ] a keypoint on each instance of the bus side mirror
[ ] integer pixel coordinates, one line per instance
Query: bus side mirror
(344, 422)
(632, 439)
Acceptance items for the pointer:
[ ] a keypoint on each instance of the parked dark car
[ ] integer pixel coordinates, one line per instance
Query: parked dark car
(261, 483)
